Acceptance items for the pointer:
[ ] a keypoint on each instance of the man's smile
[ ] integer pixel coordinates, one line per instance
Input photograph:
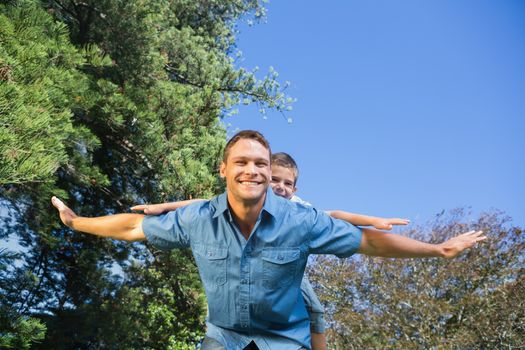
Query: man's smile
(249, 183)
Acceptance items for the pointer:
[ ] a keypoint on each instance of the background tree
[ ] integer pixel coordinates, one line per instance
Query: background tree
(39, 86)
(475, 301)
(107, 104)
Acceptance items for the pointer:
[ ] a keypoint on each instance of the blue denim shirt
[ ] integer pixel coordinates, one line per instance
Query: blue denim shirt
(253, 286)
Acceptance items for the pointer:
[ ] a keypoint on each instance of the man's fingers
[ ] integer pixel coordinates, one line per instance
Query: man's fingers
(478, 234)
(473, 237)
(57, 203)
(474, 233)
(66, 214)
(469, 233)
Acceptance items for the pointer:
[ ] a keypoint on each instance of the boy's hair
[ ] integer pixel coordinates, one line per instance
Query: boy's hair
(245, 134)
(286, 161)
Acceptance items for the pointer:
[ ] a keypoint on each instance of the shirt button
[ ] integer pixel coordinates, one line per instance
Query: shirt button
(245, 307)
(280, 257)
(243, 281)
(244, 325)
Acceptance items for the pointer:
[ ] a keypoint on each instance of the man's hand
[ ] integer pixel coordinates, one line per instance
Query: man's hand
(387, 223)
(454, 246)
(150, 209)
(66, 215)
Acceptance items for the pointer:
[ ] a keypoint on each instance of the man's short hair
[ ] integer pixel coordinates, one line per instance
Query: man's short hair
(286, 161)
(246, 134)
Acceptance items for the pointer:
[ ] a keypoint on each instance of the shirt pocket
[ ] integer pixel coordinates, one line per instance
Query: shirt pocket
(279, 266)
(212, 264)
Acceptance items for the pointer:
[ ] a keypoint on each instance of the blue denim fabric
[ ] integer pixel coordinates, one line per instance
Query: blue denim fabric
(253, 286)
(235, 340)
(313, 306)
(211, 344)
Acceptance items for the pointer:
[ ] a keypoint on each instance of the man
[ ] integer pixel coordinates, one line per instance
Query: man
(285, 174)
(251, 248)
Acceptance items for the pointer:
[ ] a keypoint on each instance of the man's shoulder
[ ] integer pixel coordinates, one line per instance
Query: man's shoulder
(205, 208)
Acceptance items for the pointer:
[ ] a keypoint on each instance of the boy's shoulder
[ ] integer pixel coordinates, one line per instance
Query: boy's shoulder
(297, 199)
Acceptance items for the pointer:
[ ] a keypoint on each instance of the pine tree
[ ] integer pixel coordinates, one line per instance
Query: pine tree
(137, 119)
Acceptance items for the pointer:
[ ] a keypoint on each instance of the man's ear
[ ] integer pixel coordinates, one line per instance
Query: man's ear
(222, 170)
(294, 190)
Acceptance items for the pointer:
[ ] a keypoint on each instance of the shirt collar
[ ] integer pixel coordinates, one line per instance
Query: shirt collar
(270, 206)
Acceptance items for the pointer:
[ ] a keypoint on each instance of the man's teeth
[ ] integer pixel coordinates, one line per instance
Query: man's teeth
(249, 183)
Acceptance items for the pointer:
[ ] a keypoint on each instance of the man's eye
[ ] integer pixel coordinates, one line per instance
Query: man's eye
(261, 165)
(274, 179)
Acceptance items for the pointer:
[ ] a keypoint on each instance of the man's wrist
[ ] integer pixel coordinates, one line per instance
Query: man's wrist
(441, 251)
(72, 222)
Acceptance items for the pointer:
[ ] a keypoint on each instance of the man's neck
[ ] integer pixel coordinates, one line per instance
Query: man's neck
(245, 214)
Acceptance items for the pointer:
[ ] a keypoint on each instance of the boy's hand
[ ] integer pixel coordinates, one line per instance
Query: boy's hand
(66, 215)
(150, 209)
(387, 223)
(454, 246)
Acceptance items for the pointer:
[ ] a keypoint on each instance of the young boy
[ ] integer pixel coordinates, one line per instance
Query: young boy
(285, 174)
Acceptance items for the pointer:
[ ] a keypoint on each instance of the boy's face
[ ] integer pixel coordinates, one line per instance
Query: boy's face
(283, 181)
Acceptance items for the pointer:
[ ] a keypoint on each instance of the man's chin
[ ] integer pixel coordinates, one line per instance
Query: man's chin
(251, 196)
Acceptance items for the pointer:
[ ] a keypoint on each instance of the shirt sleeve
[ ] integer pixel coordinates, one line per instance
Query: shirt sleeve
(333, 236)
(170, 230)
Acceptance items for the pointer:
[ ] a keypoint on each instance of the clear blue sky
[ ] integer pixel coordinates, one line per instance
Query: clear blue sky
(405, 108)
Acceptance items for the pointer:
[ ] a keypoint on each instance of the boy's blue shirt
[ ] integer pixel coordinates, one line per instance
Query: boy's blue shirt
(298, 199)
(253, 285)
(313, 305)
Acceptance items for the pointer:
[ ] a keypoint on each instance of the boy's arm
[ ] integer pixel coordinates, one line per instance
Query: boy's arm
(377, 243)
(156, 209)
(125, 227)
(364, 220)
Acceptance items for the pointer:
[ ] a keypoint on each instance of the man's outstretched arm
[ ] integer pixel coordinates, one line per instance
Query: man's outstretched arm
(377, 243)
(125, 227)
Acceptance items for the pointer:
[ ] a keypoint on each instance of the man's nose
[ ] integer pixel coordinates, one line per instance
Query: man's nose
(250, 168)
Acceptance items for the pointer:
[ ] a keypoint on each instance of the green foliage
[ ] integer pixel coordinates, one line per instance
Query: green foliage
(16, 331)
(140, 306)
(38, 86)
(108, 104)
(19, 333)
(471, 302)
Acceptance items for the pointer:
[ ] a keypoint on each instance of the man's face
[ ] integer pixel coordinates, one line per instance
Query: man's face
(283, 181)
(247, 171)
